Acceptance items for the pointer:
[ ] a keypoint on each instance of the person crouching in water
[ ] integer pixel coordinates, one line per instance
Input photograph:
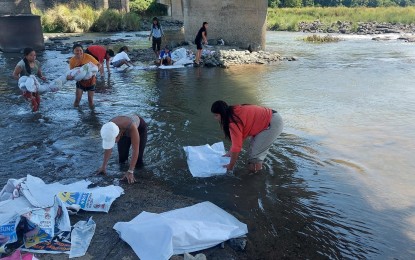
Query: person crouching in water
(126, 131)
(165, 56)
(78, 60)
(26, 67)
(238, 122)
(121, 58)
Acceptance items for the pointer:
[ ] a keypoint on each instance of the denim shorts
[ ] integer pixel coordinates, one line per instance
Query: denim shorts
(85, 89)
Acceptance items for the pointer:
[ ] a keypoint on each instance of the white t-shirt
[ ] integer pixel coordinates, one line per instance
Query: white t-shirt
(120, 56)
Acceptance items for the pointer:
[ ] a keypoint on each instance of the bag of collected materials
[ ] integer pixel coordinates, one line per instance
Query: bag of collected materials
(28, 83)
(159, 236)
(84, 72)
(206, 160)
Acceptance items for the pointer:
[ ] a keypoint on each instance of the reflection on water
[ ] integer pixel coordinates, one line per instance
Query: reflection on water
(336, 184)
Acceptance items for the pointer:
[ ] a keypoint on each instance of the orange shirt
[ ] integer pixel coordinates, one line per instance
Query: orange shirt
(86, 58)
(74, 62)
(254, 119)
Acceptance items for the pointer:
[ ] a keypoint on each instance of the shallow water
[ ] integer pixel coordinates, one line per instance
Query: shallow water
(338, 183)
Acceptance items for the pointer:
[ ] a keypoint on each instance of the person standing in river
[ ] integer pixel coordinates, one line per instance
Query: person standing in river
(262, 124)
(26, 67)
(126, 131)
(157, 32)
(100, 53)
(201, 38)
(78, 60)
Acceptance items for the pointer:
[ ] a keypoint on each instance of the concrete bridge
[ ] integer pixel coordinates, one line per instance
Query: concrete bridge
(237, 22)
(18, 27)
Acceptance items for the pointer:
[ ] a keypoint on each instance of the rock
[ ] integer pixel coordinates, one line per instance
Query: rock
(237, 244)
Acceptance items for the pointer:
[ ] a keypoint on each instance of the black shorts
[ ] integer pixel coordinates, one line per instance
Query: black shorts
(198, 43)
(85, 89)
(156, 43)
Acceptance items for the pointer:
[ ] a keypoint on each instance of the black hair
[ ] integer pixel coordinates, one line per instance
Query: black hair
(27, 51)
(110, 53)
(76, 45)
(123, 48)
(157, 25)
(204, 23)
(227, 116)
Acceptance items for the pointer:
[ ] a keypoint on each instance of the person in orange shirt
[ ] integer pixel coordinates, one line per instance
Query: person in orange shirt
(79, 59)
(238, 122)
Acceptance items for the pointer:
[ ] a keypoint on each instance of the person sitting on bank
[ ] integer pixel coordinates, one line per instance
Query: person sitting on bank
(165, 56)
(100, 53)
(126, 131)
(262, 124)
(121, 58)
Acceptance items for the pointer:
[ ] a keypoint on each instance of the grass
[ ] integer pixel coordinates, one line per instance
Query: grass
(321, 39)
(287, 19)
(83, 18)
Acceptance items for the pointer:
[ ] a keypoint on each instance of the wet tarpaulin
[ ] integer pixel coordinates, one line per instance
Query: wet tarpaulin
(159, 236)
(206, 160)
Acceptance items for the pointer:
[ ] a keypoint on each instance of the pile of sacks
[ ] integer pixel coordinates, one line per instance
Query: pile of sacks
(40, 212)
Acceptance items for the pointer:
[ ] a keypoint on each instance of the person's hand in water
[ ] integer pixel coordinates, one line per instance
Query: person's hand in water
(129, 176)
(101, 171)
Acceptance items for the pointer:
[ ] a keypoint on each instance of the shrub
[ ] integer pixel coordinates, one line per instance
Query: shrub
(109, 21)
(130, 22)
(321, 39)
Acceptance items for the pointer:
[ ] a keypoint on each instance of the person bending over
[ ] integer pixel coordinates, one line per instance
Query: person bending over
(165, 56)
(100, 53)
(126, 131)
(238, 122)
(121, 58)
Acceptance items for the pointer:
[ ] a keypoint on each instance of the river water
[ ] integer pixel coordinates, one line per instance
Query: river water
(337, 184)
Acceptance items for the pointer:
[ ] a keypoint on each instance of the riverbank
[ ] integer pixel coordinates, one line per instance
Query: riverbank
(148, 194)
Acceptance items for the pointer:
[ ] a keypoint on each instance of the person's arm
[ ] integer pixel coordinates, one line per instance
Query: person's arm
(40, 74)
(108, 65)
(234, 157)
(135, 143)
(204, 37)
(16, 72)
(101, 69)
(107, 155)
(151, 32)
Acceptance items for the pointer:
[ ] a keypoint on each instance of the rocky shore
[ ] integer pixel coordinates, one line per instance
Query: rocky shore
(214, 56)
(362, 28)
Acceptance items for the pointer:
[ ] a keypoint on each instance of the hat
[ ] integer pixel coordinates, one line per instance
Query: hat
(109, 132)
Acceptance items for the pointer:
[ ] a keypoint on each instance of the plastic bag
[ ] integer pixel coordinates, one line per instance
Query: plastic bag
(81, 237)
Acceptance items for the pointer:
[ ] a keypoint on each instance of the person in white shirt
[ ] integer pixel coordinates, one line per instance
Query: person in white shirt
(121, 58)
(157, 32)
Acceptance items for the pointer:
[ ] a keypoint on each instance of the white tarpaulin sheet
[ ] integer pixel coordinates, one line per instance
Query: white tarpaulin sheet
(159, 236)
(206, 160)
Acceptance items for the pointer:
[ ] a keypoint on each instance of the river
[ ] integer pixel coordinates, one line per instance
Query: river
(338, 182)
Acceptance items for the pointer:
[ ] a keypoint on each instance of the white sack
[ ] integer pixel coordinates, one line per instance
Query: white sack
(178, 54)
(159, 236)
(206, 160)
(84, 72)
(28, 83)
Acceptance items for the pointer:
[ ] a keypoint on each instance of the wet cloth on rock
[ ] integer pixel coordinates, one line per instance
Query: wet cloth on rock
(206, 160)
(159, 236)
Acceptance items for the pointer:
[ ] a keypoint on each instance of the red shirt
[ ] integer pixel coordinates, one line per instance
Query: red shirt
(98, 51)
(254, 119)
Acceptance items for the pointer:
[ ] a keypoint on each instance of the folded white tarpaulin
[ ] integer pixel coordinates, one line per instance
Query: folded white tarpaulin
(206, 160)
(159, 236)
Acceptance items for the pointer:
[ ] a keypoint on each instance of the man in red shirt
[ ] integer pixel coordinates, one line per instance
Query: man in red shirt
(100, 53)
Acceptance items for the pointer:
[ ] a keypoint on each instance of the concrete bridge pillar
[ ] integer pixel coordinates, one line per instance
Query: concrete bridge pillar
(18, 27)
(237, 22)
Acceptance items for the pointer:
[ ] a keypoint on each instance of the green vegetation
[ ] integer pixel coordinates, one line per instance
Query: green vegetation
(321, 39)
(83, 18)
(147, 7)
(338, 3)
(288, 19)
